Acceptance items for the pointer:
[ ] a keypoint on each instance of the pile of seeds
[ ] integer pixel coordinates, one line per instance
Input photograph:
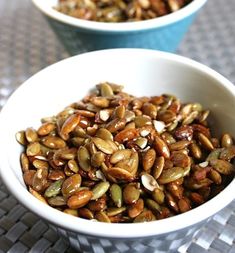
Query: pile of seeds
(119, 10)
(114, 157)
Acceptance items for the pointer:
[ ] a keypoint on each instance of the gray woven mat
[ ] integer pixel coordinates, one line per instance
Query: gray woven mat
(27, 45)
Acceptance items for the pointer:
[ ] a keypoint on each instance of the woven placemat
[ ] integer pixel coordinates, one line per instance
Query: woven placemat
(27, 45)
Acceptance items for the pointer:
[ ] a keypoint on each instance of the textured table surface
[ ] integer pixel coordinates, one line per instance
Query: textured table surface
(27, 45)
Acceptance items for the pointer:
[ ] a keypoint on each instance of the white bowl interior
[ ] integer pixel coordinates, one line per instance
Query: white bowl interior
(143, 73)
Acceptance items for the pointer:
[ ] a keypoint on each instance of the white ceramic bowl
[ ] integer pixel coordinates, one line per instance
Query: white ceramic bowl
(162, 33)
(143, 72)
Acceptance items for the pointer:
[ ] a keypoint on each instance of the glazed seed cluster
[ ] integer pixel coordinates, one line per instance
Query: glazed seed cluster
(114, 157)
(119, 10)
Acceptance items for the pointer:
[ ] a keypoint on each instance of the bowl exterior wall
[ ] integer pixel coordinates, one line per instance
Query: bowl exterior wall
(77, 40)
(158, 244)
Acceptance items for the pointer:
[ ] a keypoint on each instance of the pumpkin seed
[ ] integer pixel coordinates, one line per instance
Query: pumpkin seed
(54, 189)
(130, 194)
(79, 199)
(31, 134)
(20, 137)
(161, 147)
(84, 158)
(116, 194)
(222, 166)
(135, 209)
(149, 159)
(102, 145)
(149, 182)
(102, 216)
(145, 216)
(114, 157)
(71, 185)
(120, 155)
(226, 141)
(100, 189)
(171, 175)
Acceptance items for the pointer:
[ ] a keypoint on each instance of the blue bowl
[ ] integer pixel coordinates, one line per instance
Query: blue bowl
(163, 33)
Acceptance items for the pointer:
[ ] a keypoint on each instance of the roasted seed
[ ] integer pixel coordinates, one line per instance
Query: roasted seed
(149, 182)
(79, 199)
(31, 134)
(130, 194)
(100, 189)
(161, 147)
(40, 164)
(69, 125)
(158, 166)
(71, 212)
(102, 145)
(57, 201)
(84, 158)
(149, 159)
(20, 137)
(227, 153)
(226, 141)
(179, 145)
(71, 185)
(106, 90)
(222, 166)
(33, 149)
(112, 211)
(37, 195)
(54, 189)
(158, 195)
(97, 205)
(116, 194)
(53, 142)
(102, 216)
(145, 216)
(135, 209)
(85, 213)
(120, 155)
(24, 161)
(120, 174)
(205, 142)
(195, 151)
(153, 205)
(142, 120)
(184, 205)
(171, 175)
(97, 159)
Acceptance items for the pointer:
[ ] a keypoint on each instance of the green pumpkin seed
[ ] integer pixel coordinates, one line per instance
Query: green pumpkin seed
(100, 189)
(54, 189)
(116, 194)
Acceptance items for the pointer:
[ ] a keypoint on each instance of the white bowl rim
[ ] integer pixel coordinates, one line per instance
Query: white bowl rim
(130, 230)
(135, 26)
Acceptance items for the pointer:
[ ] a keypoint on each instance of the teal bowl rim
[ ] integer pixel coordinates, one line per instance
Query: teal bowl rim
(46, 8)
